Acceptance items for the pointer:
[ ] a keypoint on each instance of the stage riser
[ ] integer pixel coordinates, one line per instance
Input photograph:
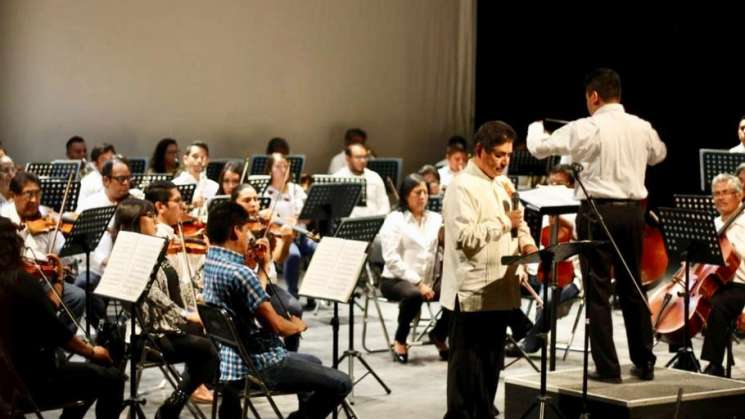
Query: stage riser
(519, 398)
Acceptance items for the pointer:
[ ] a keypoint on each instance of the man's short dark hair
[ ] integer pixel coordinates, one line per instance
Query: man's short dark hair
(108, 167)
(159, 191)
(73, 140)
(101, 149)
(456, 140)
(604, 81)
(494, 133)
(199, 144)
(278, 145)
(352, 135)
(564, 169)
(20, 179)
(223, 218)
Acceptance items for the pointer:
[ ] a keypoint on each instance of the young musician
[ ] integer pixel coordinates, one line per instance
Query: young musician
(476, 286)
(196, 158)
(75, 149)
(230, 284)
(92, 183)
(230, 177)
(432, 177)
(728, 301)
(456, 156)
(352, 136)
(376, 197)
(278, 145)
(31, 333)
(176, 330)
(615, 148)
(409, 240)
(165, 158)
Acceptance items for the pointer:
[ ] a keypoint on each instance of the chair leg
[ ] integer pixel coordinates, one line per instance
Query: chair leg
(215, 396)
(373, 295)
(580, 310)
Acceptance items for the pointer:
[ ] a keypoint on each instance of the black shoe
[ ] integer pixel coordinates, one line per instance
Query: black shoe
(610, 379)
(444, 353)
(310, 305)
(643, 372)
(173, 405)
(715, 370)
(401, 358)
(511, 350)
(494, 411)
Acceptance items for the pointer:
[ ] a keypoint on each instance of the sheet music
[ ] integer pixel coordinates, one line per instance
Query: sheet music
(549, 196)
(128, 271)
(334, 269)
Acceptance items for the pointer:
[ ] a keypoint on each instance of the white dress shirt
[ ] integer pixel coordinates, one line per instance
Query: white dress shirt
(338, 162)
(290, 203)
(740, 148)
(410, 246)
(736, 237)
(36, 245)
(615, 147)
(100, 255)
(446, 176)
(206, 187)
(477, 235)
(89, 185)
(376, 199)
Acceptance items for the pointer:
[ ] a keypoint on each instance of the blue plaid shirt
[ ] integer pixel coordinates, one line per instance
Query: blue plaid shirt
(230, 284)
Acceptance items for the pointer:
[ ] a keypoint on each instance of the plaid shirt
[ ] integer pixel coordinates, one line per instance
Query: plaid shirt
(230, 284)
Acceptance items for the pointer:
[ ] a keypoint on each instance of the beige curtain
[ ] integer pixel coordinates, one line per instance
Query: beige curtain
(235, 73)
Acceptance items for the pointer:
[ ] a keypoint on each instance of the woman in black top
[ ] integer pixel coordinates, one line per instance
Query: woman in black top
(30, 335)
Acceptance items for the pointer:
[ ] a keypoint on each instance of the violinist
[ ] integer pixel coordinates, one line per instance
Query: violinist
(456, 157)
(165, 157)
(231, 285)
(31, 333)
(196, 158)
(26, 212)
(728, 301)
(175, 329)
(230, 177)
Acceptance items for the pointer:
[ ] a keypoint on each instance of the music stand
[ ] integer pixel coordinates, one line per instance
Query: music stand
(143, 181)
(358, 180)
(692, 235)
(137, 165)
(361, 229)
(696, 202)
(53, 193)
(713, 162)
(187, 191)
(259, 182)
(522, 163)
(40, 169)
(214, 168)
(259, 164)
(84, 237)
(215, 201)
(548, 257)
(328, 202)
(264, 202)
(387, 167)
(434, 203)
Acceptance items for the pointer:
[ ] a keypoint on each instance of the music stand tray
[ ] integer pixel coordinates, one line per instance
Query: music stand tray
(53, 193)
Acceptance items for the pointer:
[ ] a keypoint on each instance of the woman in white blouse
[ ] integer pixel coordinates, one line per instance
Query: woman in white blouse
(409, 239)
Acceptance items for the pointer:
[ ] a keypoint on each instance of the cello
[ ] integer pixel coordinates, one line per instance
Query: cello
(667, 304)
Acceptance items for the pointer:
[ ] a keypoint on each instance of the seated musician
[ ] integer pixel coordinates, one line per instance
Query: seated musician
(456, 157)
(245, 196)
(278, 145)
(740, 148)
(351, 136)
(92, 183)
(728, 301)
(432, 177)
(287, 200)
(409, 238)
(376, 197)
(230, 284)
(165, 158)
(31, 333)
(196, 158)
(230, 177)
(560, 175)
(41, 242)
(7, 171)
(116, 179)
(165, 316)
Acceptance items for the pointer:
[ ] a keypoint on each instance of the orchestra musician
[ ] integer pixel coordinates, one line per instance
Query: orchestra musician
(456, 157)
(376, 197)
(740, 148)
(176, 331)
(615, 148)
(196, 158)
(164, 158)
(729, 300)
(232, 285)
(7, 171)
(230, 177)
(352, 136)
(30, 335)
(92, 183)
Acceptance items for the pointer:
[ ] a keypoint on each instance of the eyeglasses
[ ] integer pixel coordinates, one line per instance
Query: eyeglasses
(723, 193)
(121, 179)
(31, 194)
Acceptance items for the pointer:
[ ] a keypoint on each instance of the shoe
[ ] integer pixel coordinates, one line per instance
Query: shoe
(442, 348)
(643, 372)
(610, 379)
(310, 305)
(511, 350)
(714, 369)
(202, 395)
(173, 405)
(401, 358)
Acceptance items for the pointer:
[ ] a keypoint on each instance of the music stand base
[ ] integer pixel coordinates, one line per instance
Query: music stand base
(685, 360)
(540, 404)
(351, 355)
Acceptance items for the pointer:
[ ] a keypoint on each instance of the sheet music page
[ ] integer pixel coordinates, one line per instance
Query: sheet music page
(549, 196)
(128, 271)
(334, 269)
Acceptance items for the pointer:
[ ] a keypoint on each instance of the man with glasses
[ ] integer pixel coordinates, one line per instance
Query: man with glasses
(377, 198)
(25, 193)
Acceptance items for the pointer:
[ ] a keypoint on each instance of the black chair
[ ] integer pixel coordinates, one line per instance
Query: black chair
(220, 327)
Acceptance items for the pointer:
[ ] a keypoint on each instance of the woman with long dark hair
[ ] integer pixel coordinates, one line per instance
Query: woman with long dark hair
(230, 177)
(165, 157)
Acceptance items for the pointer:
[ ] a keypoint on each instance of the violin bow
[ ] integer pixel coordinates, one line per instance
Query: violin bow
(61, 211)
(189, 270)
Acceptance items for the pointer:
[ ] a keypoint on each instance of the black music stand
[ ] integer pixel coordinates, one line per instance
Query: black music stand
(260, 161)
(548, 257)
(713, 162)
(259, 182)
(522, 163)
(214, 168)
(329, 202)
(137, 165)
(387, 168)
(143, 181)
(434, 203)
(215, 201)
(63, 168)
(84, 237)
(53, 193)
(696, 202)
(187, 191)
(692, 235)
(357, 180)
(40, 169)
(361, 229)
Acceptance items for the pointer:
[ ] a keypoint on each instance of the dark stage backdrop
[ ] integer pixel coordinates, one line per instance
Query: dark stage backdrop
(682, 71)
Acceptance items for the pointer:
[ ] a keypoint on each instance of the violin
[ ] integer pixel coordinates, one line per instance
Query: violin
(39, 225)
(261, 226)
(52, 268)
